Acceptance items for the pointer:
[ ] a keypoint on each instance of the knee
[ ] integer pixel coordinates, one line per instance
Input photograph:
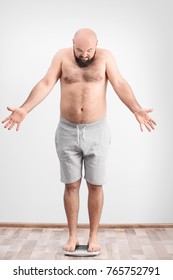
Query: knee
(73, 186)
(94, 188)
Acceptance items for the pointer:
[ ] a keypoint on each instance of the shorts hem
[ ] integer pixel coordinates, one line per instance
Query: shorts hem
(71, 181)
(94, 182)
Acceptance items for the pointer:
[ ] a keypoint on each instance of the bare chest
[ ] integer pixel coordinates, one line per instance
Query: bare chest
(72, 75)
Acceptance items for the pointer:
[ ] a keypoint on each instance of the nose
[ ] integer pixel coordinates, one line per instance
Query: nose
(84, 54)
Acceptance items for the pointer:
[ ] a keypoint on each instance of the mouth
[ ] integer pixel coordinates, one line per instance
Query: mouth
(84, 58)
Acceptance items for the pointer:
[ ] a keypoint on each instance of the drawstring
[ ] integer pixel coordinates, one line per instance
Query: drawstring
(78, 133)
(83, 134)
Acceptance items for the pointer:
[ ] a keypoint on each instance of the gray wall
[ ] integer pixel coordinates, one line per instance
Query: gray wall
(139, 187)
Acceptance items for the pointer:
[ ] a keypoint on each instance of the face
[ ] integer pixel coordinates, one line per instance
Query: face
(84, 61)
(84, 53)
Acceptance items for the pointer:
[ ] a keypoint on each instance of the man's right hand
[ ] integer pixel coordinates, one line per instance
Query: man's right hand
(16, 117)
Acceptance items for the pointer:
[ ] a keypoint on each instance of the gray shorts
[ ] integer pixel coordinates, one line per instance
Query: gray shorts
(79, 144)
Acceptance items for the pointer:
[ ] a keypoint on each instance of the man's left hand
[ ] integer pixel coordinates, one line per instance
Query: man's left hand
(144, 119)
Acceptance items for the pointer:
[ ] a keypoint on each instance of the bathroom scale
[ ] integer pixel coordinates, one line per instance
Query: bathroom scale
(81, 251)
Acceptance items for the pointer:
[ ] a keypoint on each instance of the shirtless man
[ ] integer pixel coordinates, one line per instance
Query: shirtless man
(84, 71)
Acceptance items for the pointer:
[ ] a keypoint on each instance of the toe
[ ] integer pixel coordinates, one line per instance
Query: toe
(93, 248)
(90, 248)
(69, 247)
(72, 249)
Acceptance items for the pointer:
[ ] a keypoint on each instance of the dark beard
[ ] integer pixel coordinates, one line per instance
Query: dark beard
(81, 63)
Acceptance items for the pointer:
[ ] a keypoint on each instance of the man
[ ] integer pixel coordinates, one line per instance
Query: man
(82, 134)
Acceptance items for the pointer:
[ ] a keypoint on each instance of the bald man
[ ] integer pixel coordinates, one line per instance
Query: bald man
(82, 135)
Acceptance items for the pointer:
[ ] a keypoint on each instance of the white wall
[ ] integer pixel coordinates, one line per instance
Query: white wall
(139, 189)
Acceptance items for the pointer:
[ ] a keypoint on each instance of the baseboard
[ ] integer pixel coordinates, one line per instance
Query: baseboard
(108, 226)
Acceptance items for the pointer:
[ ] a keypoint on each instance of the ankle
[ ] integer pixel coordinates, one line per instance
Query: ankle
(73, 235)
(93, 235)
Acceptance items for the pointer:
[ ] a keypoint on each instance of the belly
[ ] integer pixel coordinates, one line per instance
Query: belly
(82, 106)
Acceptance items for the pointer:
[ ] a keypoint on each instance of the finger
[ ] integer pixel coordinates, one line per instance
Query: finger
(152, 125)
(5, 120)
(11, 126)
(148, 110)
(10, 109)
(148, 127)
(18, 127)
(8, 124)
(141, 127)
(153, 121)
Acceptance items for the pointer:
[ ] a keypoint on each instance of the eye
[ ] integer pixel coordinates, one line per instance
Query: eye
(79, 50)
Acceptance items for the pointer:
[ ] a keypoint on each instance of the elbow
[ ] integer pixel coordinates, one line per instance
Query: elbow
(120, 86)
(46, 83)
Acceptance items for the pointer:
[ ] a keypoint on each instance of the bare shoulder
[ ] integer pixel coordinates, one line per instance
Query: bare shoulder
(62, 53)
(106, 54)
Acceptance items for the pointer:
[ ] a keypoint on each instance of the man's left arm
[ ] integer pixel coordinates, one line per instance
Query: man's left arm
(126, 95)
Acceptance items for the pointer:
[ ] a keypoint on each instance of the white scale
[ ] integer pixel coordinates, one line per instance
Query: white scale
(81, 251)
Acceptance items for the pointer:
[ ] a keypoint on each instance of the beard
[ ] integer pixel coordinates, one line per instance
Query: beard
(83, 63)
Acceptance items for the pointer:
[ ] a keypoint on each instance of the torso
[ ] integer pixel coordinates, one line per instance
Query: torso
(83, 90)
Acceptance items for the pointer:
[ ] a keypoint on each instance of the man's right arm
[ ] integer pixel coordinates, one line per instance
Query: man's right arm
(44, 86)
(38, 93)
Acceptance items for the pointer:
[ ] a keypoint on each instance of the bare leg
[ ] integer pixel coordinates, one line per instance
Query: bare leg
(95, 205)
(71, 204)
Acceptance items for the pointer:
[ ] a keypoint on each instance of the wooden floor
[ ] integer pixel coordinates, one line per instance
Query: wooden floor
(119, 244)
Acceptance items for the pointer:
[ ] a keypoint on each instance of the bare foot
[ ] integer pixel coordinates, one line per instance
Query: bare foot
(93, 245)
(71, 244)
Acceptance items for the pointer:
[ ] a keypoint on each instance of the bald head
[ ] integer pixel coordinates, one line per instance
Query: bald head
(84, 46)
(85, 33)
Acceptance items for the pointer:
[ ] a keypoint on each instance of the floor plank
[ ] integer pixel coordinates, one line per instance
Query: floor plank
(119, 244)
